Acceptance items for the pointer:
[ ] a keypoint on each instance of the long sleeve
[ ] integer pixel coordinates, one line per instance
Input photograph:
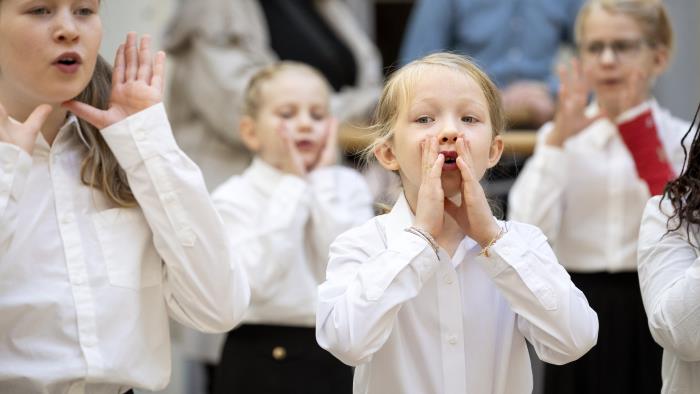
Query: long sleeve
(267, 231)
(341, 200)
(669, 277)
(552, 313)
(537, 195)
(14, 170)
(204, 286)
(366, 285)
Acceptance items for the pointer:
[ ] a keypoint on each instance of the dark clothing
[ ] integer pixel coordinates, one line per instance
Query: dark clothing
(278, 359)
(298, 32)
(626, 359)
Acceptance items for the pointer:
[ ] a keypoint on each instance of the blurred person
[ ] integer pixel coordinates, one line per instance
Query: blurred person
(515, 41)
(593, 170)
(283, 212)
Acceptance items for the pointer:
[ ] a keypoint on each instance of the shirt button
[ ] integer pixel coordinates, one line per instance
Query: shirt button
(67, 218)
(451, 339)
(279, 353)
(448, 279)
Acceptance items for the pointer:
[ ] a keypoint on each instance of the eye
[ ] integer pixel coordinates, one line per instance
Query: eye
(318, 115)
(39, 11)
(85, 11)
(469, 119)
(424, 119)
(595, 48)
(287, 114)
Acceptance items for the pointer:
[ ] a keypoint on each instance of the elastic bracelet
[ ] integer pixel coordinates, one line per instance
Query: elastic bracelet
(426, 236)
(485, 250)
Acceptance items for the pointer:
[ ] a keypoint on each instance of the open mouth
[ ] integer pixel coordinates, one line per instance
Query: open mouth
(68, 62)
(450, 160)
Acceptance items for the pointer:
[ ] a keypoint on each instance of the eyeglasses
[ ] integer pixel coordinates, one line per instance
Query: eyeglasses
(623, 50)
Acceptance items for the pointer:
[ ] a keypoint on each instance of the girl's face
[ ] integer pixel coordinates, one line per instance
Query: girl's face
(446, 104)
(613, 50)
(294, 102)
(48, 49)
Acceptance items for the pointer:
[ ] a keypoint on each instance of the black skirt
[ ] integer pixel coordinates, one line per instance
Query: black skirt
(626, 359)
(277, 359)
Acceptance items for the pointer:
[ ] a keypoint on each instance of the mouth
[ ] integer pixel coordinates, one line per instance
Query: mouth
(450, 160)
(305, 145)
(68, 62)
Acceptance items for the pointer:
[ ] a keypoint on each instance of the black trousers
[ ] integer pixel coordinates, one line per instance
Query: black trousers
(626, 359)
(277, 359)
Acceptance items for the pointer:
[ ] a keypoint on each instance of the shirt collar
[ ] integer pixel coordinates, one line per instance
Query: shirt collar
(264, 176)
(62, 139)
(602, 131)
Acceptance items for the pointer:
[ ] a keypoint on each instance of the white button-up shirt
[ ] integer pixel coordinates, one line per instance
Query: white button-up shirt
(669, 277)
(282, 226)
(416, 322)
(587, 197)
(86, 288)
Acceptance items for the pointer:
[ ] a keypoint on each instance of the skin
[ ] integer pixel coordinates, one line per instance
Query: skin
(618, 84)
(35, 93)
(292, 129)
(448, 113)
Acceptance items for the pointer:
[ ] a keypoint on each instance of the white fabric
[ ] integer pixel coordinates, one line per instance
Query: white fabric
(282, 226)
(669, 277)
(86, 288)
(587, 197)
(414, 323)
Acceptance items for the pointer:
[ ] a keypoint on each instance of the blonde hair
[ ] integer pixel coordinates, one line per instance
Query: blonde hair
(252, 98)
(650, 15)
(398, 91)
(100, 168)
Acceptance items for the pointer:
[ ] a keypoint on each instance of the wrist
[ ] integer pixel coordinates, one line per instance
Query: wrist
(555, 138)
(486, 238)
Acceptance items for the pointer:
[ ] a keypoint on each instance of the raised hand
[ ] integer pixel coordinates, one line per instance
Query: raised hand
(290, 160)
(138, 82)
(329, 153)
(24, 134)
(430, 206)
(474, 215)
(570, 117)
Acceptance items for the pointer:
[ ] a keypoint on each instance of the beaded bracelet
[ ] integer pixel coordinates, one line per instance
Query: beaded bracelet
(485, 250)
(426, 236)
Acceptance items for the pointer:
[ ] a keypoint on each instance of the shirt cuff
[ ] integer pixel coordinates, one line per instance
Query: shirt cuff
(15, 165)
(550, 160)
(141, 136)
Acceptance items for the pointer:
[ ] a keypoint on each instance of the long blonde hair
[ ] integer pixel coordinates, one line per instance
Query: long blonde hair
(398, 90)
(650, 15)
(100, 168)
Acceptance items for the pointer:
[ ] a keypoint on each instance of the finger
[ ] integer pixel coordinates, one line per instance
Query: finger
(86, 112)
(145, 65)
(119, 67)
(158, 78)
(131, 57)
(425, 164)
(38, 117)
(436, 169)
(463, 153)
(4, 118)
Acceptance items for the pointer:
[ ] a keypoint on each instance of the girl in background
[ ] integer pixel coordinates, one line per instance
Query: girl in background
(593, 170)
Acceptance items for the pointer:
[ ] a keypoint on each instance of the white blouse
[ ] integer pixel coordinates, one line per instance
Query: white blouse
(587, 197)
(282, 226)
(669, 277)
(412, 321)
(86, 288)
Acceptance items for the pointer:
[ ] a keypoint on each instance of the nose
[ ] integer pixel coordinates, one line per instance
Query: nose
(608, 56)
(65, 29)
(304, 122)
(448, 135)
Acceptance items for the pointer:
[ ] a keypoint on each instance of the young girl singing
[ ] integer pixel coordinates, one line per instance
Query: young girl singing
(282, 215)
(106, 227)
(438, 296)
(669, 273)
(593, 170)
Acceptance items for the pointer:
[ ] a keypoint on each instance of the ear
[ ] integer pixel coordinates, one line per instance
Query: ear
(246, 128)
(661, 58)
(495, 151)
(385, 156)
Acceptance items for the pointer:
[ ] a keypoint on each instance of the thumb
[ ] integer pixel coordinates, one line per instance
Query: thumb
(38, 117)
(87, 112)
